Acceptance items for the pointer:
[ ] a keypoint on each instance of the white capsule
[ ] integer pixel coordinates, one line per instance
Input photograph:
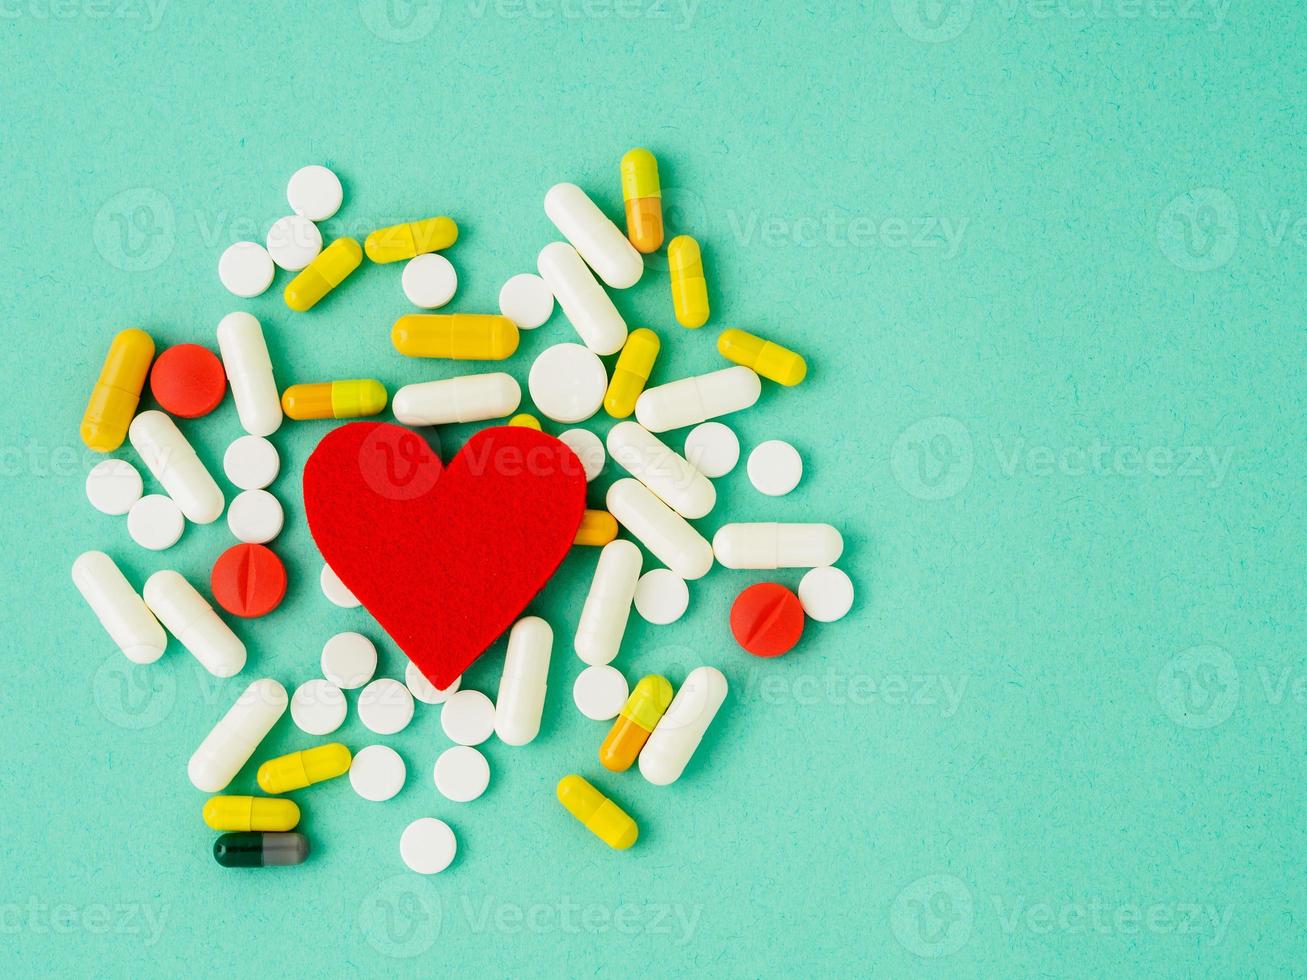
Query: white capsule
(118, 607)
(236, 736)
(584, 302)
(660, 529)
(169, 456)
(694, 400)
(249, 372)
(600, 242)
(192, 620)
(676, 483)
(777, 545)
(608, 605)
(471, 398)
(521, 700)
(680, 730)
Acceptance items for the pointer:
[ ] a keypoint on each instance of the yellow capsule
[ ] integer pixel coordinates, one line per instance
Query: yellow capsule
(689, 287)
(456, 336)
(399, 242)
(601, 816)
(334, 400)
(643, 195)
(598, 527)
(635, 723)
(333, 264)
(631, 371)
(525, 421)
(118, 391)
(772, 361)
(300, 769)
(248, 813)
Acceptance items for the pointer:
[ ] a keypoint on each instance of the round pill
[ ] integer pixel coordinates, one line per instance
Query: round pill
(188, 381)
(334, 589)
(712, 448)
(113, 486)
(251, 462)
(385, 706)
(314, 192)
(155, 522)
(600, 692)
(293, 242)
(775, 468)
(349, 660)
(567, 382)
(661, 596)
(767, 619)
(427, 846)
(429, 281)
(246, 269)
(826, 594)
(317, 707)
(255, 516)
(377, 773)
(248, 580)
(526, 300)
(589, 449)
(468, 717)
(462, 774)
(424, 690)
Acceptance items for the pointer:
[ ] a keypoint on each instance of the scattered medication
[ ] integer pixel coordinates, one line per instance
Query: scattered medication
(334, 400)
(314, 192)
(526, 421)
(334, 589)
(155, 522)
(323, 274)
(635, 722)
(595, 238)
(169, 457)
(664, 532)
(455, 336)
(585, 304)
(689, 285)
(671, 478)
(600, 815)
(113, 485)
(317, 707)
(424, 690)
(248, 580)
(681, 729)
(599, 692)
(775, 468)
(247, 813)
(767, 619)
(467, 718)
(385, 706)
(588, 448)
(461, 774)
(117, 392)
(293, 242)
(249, 372)
(567, 383)
(349, 660)
(300, 769)
(255, 516)
(427, 846)
(826, 594)
(245, 269)
(608, 604)
(471, 398)
(642, 193)
(712, 448)
(526, 300)
(429, 281)
(188, 381)
(236, 735)
(598, 527)
(377, 773)
(631, 372)
(661, 596)
(251, 462)
(400, 242)
(260, 850)
(772, 361)
(777, 545)
(119, 608)
(694, 400)
(521, 699)
(192, 620)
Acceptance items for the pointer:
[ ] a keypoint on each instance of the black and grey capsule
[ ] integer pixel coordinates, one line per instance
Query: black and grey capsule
(256, 850)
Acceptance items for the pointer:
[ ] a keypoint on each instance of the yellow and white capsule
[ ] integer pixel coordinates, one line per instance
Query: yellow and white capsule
(455, 336)
(332, 266)
(334, 400)
(643, 195)
(246, 813)
(601, 816)
(304, 768)
(771, 361)
(400, 242)
(689, 287)
(631, 372)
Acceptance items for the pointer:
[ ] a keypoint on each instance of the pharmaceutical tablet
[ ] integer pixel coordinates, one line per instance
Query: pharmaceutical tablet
(255, 516)
(424, 690)
(469, 398)
(251, 462)
(698, 399)
(377, 773)
(314, 192)
(600, 815)
(119, 608)
(567, 382)
(236, 736)
(826, 594)
(607, 607)
(349, 660)
(588, 448)
(681, 729)
(635, 723)
(669, 476)
(775, 545)
(461, 774)
(775, 468)
(188, 616)
(468, 717)
(427, 846)
(585, 304)
(327, 271)
(671, 538)
(643, 196)
(317, 707)
(385, 706)
(594, 236)
(359, 398)
(661, 596)
(599, 692)
(526, 300)
(188, 381)
(520, 703)
(712, 448)
(155, 522)
(171, 459)
(334, 589)
(429, 280)
(117, 391)
(249, 372)
(113, 486)
(293, 242)
(248, 580)
(245, 269)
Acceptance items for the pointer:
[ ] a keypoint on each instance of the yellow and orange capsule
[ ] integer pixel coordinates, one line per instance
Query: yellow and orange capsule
(601, 816)
(635, 723)
(332, 266)
(247, 813)
(643, 195)
(689, 286)
(400, 242)
(117, 392)
(304, 768)
(631, 372)
(598, 527)
(772, 361)
(456, 336)
(334, 400)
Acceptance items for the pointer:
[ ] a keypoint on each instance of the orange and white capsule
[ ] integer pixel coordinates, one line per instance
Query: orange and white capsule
(643, 195)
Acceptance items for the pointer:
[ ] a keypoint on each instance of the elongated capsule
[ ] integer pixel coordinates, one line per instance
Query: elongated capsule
(457, 336)
(608, 604)
(777, 545)
(304, 768)
(585, 304)
(192, 620)
(246, 813)
(598, 527)
(631, 372)
(595, 238)
(635, 722)
(332, 267)
(471, 398)
(249, 371)
(643, 194)
(236, 735)
(400, 242)
(689, 286)
(521, 700)
(601, 816)
(660, 529)
(772, 361)
(120, 610)
(681, 729)
(660, 468)
(117, 392)
(334, 400)
(260, 850)
(172, 460)
(698, 399)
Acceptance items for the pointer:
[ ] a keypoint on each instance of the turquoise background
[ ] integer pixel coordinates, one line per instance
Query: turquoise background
(1046, 260)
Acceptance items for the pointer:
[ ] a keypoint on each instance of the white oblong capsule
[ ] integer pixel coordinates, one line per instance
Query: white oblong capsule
(777, 545)
(236, 736)
(608, 604)
(471, 398)
(171, 458)
(521, 700)
(249, 372)
(584, 302)
(195, 624)
(596, 239)
(660, 529)
(118, 607)
(680, 730)
(698, 399)
(668, 474)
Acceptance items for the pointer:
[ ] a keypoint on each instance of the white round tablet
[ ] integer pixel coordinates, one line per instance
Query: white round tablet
(429, 281)
(317, 707)
(293, 242)
(349, 660)
(155, 522)
(589, 449)
(712, 448)
(113, 486)
(334, 589)
(826, 594)
(775, 468)
(427, 846)
(462, 774)
(377, 773)
(424, 690)
(255, 516)
(385, 706)
(245, 269)
(661, 596)
(600, 692)
(468, 717)
(314, 192)
(567, 382)
(251, 462)
(526, 300)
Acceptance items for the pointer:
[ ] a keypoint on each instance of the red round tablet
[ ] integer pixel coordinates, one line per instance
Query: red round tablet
(767, 619)
(248, 580)
(188, 381)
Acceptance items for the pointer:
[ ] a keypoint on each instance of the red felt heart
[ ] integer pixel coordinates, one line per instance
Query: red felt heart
(444, 561)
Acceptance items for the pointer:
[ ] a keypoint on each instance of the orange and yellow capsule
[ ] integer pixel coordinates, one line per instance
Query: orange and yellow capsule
(601, 816)
(118, 391)
(246, 813)
(772, 361)
(598, 527)
(456, 336)
(304, 768)
(631, 372)
(689, 287)
(400, 242)
(635, 723)
(334, 400)
(643, 195)
(332, 266)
